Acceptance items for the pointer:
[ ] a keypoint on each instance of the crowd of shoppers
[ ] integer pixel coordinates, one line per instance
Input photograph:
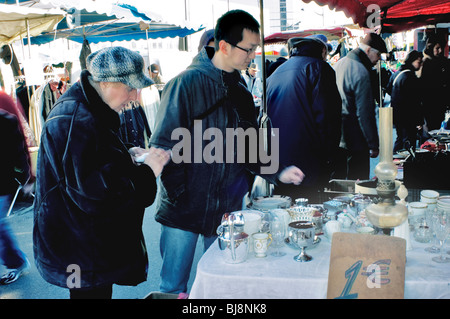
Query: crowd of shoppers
(92, 188)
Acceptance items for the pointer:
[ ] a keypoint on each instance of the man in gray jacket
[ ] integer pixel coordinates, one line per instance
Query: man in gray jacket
(359, 139)
(206, 99)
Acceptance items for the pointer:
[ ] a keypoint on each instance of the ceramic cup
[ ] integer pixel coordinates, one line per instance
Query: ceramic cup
(261, 242)
(417, 209)
(252, 225)
(332, 227)
(366, 230)
(429, 196)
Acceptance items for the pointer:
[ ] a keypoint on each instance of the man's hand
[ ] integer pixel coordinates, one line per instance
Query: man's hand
(291, 175)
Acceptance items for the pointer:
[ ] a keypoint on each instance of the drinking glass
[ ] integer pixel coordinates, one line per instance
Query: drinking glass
(430, 215)
(441, 226)
(264, 227)
(277, 230)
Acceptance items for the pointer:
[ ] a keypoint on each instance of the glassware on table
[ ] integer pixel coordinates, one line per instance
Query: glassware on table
(277, 230)
(423, 232)
(430, 214)
(441, 227)
(301, 234)
(265, 222)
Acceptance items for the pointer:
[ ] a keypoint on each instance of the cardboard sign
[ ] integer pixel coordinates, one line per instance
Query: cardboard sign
(366, 267)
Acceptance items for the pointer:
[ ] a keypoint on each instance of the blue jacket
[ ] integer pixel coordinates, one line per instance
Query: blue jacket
(195, 193)
(304, 104)
(90, 197)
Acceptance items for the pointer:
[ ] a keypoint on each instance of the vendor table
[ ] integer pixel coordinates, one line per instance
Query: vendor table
(283, 278)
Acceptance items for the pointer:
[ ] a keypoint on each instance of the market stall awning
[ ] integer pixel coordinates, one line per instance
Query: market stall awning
(17, 22)
(97, 21)
(88, 11)
(283, 37)
(117, 31)
(118, 12)
(396, 15)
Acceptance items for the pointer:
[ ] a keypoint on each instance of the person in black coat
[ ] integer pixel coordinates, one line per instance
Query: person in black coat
(436, 81)
(406, 101)
(14, 171)
(284, 54)
(359, 141)
(90, 191)
(304, 105)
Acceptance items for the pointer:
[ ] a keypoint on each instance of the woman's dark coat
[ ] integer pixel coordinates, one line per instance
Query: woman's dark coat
(90, 197)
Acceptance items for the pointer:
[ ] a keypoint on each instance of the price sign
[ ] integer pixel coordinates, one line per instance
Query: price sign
(366, 267)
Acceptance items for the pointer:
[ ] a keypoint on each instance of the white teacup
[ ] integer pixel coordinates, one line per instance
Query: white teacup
(261, 242)
(365, 230)
(429, 196)
(417, 209)
(332, 227)
(252, 224)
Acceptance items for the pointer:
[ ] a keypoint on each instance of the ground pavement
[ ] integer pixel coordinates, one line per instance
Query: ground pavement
(32, 286)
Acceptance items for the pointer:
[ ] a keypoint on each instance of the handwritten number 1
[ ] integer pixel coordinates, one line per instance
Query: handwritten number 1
(350, 274)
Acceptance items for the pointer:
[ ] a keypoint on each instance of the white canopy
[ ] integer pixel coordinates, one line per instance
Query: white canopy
(14, 20)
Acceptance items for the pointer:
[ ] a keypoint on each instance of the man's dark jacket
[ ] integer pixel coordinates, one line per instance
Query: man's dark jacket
(304, 104)
(406, 98)
(275, 65)
(196, 192)
(90, 197)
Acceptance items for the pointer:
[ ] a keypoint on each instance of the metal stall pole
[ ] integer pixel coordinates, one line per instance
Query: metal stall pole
(265, 121)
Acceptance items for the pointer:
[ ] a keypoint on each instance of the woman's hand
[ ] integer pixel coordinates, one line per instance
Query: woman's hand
(157, 158)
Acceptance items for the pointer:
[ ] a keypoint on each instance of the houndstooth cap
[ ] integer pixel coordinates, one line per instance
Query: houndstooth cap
(118, 64)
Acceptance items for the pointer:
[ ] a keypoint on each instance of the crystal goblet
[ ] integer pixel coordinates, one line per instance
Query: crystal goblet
(441, 227)
(277, 230)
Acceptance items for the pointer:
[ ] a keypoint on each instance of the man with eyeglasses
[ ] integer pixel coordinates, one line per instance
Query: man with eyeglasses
(195, 195)
(359, 139)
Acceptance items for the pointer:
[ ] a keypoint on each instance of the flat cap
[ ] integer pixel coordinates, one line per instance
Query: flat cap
(118, 64)
(375, 41)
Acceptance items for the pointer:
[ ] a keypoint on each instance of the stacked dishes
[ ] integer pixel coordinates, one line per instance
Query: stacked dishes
(266, 203)
(429, 197)
(443, 202)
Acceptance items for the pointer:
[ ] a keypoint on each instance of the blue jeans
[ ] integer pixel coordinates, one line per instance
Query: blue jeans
(177, 251)
(10, 254)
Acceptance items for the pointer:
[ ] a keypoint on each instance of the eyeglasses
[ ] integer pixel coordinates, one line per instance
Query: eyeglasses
(248, 51)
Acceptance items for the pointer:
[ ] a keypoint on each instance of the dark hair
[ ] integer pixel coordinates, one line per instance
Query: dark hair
(412, 56)
(432, 40)
(231, 25)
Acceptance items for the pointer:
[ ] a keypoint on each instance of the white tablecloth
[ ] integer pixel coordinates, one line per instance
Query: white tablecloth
(283, 278)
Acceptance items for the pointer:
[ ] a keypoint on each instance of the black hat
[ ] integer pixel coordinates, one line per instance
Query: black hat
(373, 40)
